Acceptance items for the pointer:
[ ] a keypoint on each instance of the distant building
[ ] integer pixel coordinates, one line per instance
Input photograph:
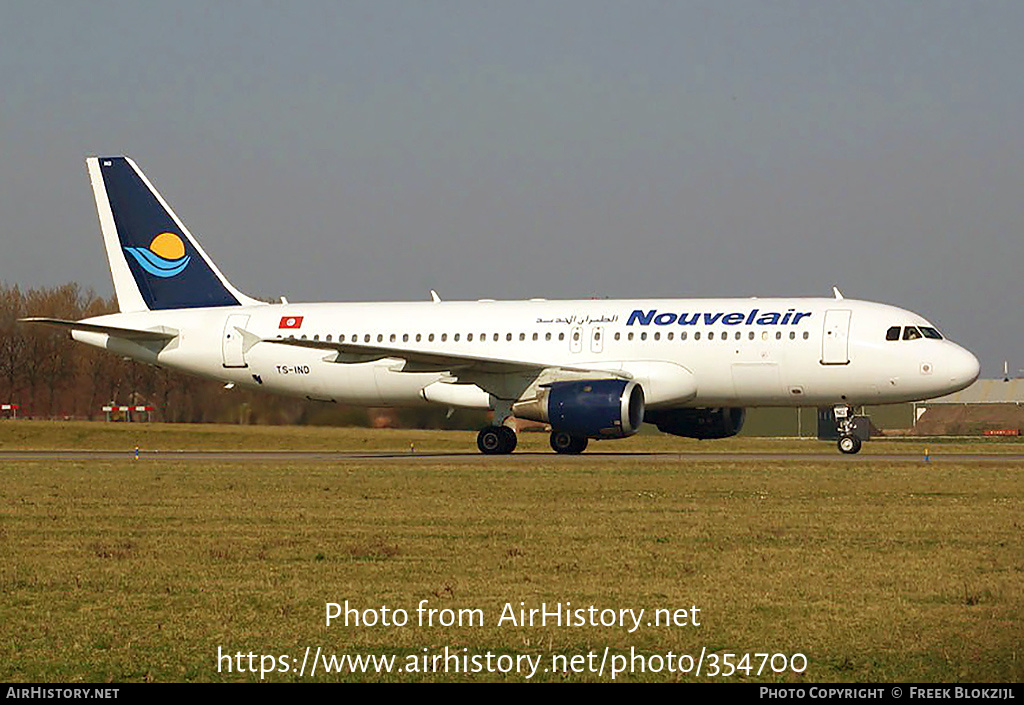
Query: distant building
(987, 407)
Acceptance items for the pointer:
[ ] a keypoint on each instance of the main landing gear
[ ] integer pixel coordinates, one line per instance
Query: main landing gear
(562, 442)
(501, 440)
(848, 442)
(496, 440)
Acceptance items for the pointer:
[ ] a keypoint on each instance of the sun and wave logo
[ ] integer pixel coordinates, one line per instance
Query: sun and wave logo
(165, 257)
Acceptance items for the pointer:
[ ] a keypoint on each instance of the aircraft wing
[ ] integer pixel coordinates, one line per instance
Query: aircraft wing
(159, 333)
(420, 361)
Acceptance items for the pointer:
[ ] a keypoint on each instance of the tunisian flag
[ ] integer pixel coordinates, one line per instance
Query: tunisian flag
(291, 322)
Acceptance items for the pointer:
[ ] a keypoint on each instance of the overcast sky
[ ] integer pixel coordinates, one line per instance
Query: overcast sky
(375, 150)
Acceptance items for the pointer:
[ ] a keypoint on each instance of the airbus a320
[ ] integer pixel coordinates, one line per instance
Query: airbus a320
(590, 369)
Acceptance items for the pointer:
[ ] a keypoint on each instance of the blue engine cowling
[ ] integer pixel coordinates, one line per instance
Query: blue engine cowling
(594, 408)
(722, 422)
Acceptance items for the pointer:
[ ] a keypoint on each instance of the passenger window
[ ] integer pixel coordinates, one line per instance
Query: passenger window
(682, 335)
(738, 335)
(806, 335)
(893, 333)
(618, 336)
(657, 336)
(911, 333)
(366, 338)
(670, 334)
(696, 336)
(711, 335)
(456, 338)
(469, 337)
(561, 336)
(419, 337)
(547, 336)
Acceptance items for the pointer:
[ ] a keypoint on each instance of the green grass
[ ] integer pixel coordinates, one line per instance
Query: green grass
(82, 435)
(877, 571)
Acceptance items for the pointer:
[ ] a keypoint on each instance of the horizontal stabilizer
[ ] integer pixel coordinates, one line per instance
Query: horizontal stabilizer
(158, 333)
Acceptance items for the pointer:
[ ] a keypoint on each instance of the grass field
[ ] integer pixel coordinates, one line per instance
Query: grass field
(80, 435)
(130, 571)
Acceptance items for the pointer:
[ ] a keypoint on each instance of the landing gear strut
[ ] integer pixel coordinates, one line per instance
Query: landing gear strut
(496, 440)
(562, 442)
(848, 442)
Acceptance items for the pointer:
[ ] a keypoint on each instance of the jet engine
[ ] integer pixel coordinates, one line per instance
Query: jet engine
(597, 408)
(699, 423)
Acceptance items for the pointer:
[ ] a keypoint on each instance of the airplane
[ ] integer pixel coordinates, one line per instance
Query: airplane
(590, 369)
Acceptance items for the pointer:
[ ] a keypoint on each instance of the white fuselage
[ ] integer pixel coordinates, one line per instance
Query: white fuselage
(685, 352)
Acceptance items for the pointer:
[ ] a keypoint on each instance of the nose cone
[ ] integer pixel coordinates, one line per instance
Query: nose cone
(962, 367)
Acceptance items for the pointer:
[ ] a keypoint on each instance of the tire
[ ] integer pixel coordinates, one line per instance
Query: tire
(496, 440)
(568, 444)
(848, 445)
(490, 440)
(510, 439)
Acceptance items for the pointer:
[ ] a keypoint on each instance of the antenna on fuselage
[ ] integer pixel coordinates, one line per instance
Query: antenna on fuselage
(434, 297)
(838, 294)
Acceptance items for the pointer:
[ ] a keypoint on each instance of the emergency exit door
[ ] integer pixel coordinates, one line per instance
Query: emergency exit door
(231, 343)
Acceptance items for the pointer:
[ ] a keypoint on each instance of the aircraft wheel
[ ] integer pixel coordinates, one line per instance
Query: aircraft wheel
(562, 442)
(849, 444)
(496, 440)
(510, 439)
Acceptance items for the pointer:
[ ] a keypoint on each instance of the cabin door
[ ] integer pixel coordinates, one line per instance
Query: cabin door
(835, 342)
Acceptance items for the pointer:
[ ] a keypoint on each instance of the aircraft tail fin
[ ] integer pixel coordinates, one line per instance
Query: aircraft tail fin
(155, 262)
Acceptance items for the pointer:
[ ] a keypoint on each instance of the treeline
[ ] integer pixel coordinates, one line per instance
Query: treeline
(50, 376)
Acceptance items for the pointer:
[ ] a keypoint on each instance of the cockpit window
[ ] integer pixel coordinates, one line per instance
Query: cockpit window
(912, 333)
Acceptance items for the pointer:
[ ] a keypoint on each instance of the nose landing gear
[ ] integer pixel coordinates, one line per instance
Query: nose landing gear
(849, 442)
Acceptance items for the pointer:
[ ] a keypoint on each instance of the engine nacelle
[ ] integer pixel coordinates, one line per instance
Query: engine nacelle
(722, 422)
(594, 408)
